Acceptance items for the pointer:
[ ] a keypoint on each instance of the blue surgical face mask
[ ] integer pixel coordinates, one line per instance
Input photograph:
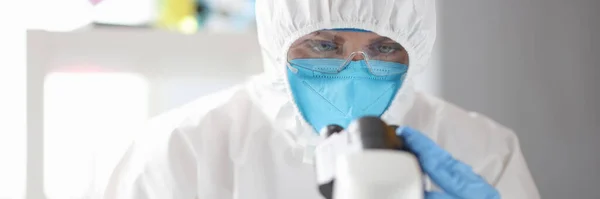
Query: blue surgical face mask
(325, 98)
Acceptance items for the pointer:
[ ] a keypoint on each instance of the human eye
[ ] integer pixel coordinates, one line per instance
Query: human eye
(322, 46)
(388, 48)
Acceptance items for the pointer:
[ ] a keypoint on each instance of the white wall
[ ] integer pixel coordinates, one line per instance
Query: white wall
(534, 66)
(12, 111)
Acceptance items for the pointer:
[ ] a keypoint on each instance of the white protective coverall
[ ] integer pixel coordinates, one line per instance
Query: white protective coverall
(250, 141)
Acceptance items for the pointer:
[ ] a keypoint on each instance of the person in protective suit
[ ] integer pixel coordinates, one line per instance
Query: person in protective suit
(327, 62)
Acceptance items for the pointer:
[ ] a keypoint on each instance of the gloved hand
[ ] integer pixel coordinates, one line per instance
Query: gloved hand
(454, 177)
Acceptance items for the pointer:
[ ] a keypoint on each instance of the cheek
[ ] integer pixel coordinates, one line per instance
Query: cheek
(405, 59)
(298, 53)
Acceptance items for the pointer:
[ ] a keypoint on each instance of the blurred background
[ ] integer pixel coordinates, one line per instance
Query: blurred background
(76, 77)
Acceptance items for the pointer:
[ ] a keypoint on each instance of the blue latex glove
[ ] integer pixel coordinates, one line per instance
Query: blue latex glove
(454, 177)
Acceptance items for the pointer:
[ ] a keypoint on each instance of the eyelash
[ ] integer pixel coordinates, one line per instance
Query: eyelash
(319, 43)
(395, 47)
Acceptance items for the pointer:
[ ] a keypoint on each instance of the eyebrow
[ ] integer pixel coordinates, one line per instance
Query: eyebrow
(381, 39)
(305, 39)
(326, 33)
(329, 35)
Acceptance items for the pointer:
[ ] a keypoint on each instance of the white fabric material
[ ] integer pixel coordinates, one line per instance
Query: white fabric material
(250, 142)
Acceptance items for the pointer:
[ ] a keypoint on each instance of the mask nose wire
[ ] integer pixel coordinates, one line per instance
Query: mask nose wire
(351, 58)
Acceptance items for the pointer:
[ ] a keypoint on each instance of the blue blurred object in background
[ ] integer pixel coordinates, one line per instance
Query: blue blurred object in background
(227, 15)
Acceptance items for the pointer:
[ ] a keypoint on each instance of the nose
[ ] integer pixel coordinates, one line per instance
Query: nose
(357, 56)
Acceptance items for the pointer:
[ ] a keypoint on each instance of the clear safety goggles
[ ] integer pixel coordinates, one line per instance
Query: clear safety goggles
(332, 51)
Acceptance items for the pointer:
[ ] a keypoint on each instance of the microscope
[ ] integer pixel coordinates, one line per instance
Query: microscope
(365, 161)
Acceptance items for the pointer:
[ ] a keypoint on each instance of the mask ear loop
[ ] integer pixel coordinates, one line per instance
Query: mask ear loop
(293, 69)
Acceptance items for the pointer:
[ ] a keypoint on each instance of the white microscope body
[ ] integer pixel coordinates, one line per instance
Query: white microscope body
(365, 162)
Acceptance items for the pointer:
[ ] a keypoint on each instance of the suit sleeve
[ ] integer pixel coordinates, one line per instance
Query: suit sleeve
(183, 162)
(516, 181)
(151, 169)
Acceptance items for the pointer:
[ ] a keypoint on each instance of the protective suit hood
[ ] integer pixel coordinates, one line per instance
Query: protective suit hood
(281, 22)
